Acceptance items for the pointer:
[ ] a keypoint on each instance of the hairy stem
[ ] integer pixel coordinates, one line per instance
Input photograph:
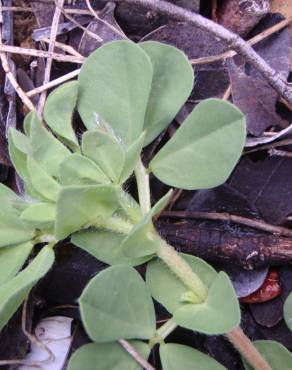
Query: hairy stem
(183, 271)
(243, 344)
(142, 178)
(115, 224)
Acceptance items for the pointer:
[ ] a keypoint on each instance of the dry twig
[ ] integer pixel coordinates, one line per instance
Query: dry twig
(53, 83)
(96, 16)
(53, 36)
(256, 224)
(41, 54)
(5, 64)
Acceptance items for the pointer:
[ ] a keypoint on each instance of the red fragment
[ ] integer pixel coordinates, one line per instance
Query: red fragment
(269, 290)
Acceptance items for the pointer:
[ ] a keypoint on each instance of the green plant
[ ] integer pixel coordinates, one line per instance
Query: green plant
(126, 95)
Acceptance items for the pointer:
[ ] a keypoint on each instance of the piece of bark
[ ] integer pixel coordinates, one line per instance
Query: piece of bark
(248, 250)
(242, 16)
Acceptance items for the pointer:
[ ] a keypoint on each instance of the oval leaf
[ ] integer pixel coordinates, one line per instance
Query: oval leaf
(58, 113)
(79, 170)
(42, 182)
(13, 292)
(176, 356)
(107, 356)
(39, 213)
(288, 311)
(12, 229)
(172, 83)
(48, 151)
(115, 83)
(105, 246)
(277, 356)
(167, 288)
(204, 150)
(12, 259)
(116, 304)
(79, 206)
(105, 151)
(219, 314)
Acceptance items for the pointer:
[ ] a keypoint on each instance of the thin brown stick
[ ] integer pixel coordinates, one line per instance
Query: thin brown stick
(253, 41)
(41, 54)
(30, 10)
(48, 68)
(275, 144)
(256, 224)
(5, 64)
(243, 344)
(96, 16)
(136, 356)
(69, 49)
(227, 93)
(280, 153)
(232, 40)
(73, 20)
(53, 83)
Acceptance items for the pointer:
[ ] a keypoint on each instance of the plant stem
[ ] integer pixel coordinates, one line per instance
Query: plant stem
(166, 329)
(183, 271)
(142, 178)
(243, 344)
(115, 224)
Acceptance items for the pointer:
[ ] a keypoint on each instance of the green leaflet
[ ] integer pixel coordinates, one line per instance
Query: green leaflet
(105, 246)
(105, 150)
(107, 356)
(219, 314)
(19, 148)
(176, 356)
(58, 113)
(79, 170)
(48, 151)
(79, 207)
(115, 83)
(288, 311)
(42, 182)
(168, 289)
(13, 292)
(142, 241)
(205, 149)
(12, 259)
(277, 356)
(105, 302)
(39, 213)
(172, 83)
(12, 229)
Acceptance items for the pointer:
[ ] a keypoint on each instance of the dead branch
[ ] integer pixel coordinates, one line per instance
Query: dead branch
(256, 224)
(233, 41)
(5, 64)
(53, 37)
(53, 83)
(217, 245)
